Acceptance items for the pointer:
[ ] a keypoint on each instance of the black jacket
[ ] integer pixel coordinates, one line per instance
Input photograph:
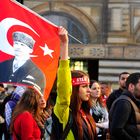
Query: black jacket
(122, 119)
(112, 97)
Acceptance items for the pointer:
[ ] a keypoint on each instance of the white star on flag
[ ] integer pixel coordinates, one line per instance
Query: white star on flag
(47, 51)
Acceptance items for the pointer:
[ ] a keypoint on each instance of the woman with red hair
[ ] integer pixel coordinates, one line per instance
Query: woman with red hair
(73, 95)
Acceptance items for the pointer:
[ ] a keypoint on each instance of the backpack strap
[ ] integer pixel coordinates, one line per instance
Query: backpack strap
(68, 127)
(130, 100)
(136, 109)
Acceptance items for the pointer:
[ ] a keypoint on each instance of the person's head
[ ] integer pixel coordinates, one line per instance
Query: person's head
(95, 90)
(105, 88)
(29, 101)
(133, 84)
(80, 88)
(23, 44)
(122, 79)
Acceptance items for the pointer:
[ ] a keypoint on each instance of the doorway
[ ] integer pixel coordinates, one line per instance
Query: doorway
(91, 66)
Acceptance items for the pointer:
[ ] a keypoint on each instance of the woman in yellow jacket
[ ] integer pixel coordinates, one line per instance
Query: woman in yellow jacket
(73, 94)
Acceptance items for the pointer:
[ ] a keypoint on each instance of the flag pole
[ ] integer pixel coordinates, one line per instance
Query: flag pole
(20, 1)
(75, 39)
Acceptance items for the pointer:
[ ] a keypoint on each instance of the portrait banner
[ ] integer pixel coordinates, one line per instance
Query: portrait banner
(29, 47)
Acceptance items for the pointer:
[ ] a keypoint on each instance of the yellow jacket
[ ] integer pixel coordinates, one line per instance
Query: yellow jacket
(64, 91)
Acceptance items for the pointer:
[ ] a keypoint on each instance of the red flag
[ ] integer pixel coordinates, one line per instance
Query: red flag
(15, 17)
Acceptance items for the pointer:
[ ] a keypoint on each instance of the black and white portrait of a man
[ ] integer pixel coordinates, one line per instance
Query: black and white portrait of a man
(21, 69)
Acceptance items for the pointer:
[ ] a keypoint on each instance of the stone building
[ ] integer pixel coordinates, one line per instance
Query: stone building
(108, 33)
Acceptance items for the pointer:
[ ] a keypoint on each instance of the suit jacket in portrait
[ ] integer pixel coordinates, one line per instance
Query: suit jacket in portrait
(28, 74)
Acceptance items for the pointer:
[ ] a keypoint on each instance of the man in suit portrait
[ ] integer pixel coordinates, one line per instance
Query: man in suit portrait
(21, 69)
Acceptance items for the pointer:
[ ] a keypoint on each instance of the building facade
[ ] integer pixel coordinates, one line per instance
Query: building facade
(104, 34)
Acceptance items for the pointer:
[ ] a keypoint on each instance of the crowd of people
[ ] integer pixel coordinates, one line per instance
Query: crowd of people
(78, 110)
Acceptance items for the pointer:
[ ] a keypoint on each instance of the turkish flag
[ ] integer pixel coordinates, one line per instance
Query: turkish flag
(16, 17)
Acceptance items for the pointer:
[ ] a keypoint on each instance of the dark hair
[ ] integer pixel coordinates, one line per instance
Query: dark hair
(1, 85)
(133, 79)
(123, 73)
(76, 105)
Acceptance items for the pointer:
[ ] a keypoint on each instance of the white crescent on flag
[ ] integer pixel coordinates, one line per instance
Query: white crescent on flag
(5, 25)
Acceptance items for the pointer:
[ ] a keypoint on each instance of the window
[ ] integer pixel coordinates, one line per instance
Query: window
(74, 27)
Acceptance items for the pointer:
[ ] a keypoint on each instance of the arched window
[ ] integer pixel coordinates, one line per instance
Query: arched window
(74, 27)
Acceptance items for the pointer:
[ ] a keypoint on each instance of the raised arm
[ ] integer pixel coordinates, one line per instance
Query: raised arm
(64, 43)
(64, 87)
